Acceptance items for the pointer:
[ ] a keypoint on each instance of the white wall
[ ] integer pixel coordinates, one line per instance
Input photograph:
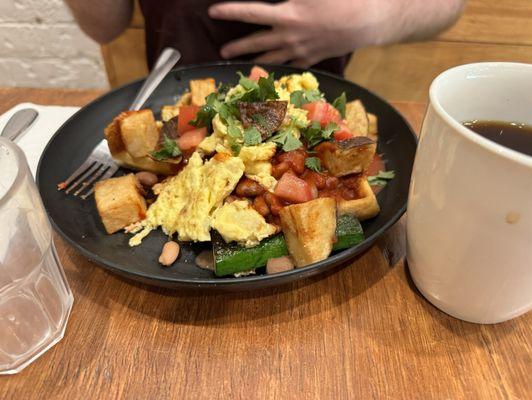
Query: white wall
(41, 46)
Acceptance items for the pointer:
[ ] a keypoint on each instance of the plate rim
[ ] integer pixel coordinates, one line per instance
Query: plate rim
(333, 260)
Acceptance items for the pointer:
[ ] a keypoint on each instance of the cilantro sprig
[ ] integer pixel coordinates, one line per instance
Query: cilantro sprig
(339, 104)
(262, 90)
(313, 163)
(286, 139)
(300, 97)
(382, 178)
(169, 149)
(315, 134)
(252, 136)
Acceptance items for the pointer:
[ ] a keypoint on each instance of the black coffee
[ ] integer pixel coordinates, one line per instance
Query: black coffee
(515, 136)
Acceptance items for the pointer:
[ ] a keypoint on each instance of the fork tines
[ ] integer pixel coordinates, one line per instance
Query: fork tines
(88, 173)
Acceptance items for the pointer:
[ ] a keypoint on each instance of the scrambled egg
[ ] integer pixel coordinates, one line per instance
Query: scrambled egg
(257, 165)
(187, 201)
(255, 158)
(239, 222)
(288, 84)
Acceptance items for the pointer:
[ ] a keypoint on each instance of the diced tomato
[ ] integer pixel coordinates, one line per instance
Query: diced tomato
(296, 160)
(257, 72)
(293, 189)
(186, 114)
(322, 112)
(191, 139)
(342, 133)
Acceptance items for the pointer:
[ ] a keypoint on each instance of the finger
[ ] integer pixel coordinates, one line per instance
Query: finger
(250, 12)
(305, 62)
(254, 43)
(276, 56)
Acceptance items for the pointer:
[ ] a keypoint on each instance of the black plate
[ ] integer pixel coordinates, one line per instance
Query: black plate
(78, 221)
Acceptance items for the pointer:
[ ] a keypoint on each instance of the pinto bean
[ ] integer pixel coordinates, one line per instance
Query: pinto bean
(279, 169)
(260, 205)
(273, 202)
(147, 179)
(169, 253)
(248, 188)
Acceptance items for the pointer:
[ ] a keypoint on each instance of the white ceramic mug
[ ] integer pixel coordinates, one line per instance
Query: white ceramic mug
(469, 219)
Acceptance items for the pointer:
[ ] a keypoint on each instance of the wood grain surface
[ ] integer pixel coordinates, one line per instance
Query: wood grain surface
(362, 332)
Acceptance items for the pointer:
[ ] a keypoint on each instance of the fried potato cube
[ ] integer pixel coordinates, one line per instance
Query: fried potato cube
(309, 230)
(373, 130)
(139, 132)
(119, 202)
(364, 207)
(123, 158)
(346, 157)
(201, 88)
(356, 118)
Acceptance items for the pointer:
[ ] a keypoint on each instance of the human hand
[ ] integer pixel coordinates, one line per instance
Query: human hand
(304, 32)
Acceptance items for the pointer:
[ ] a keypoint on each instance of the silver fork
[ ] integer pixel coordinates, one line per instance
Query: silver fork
(99, 164)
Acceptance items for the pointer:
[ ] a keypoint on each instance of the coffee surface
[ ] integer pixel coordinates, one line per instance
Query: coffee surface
(516, 136)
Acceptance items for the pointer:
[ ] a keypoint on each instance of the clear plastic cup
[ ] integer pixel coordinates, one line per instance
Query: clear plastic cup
(35, 300)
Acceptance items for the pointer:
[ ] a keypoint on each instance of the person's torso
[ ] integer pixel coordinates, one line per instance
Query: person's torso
(186, 26)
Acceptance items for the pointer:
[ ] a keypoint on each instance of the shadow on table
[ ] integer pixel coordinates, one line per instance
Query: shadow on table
(286, 303)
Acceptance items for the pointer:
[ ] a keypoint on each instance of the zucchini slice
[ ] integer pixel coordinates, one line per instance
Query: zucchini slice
(231, 258)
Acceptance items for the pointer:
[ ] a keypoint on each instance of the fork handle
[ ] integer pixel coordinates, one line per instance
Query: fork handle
(167, 59)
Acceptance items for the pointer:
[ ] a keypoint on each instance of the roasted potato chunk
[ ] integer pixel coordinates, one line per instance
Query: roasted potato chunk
(356, 118)
(373, 130)
(119, 202)
(123, 158)
(351, 156)
(201, 88)
(139, 132)
(309, 230)
(364, 207)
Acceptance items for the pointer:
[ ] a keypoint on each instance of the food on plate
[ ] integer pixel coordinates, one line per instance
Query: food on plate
(309, 229)
(119, 202)
(350, 156)
(268, 170)
(169, 253)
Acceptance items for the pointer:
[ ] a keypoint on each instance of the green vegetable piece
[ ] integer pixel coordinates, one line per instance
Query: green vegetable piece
(286, 139)
(339, 104)
(313, 163)
(300, 97)
(314, 134)
(382, 178)
(231, 258)
(169, 149)
(252, 136)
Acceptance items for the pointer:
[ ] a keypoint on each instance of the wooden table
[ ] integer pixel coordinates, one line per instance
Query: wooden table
(361, 332)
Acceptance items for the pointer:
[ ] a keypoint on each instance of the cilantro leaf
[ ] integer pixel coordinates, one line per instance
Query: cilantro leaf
(234, 132)
(207, 112)
(313, 163)
(169, 149)
(381, 178)
(252, 136)
(262, 90)
(314, 134)
(300, 97)
(267, 88)
(339, 104)
(286, 139)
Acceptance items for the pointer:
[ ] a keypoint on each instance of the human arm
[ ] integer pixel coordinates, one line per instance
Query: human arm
(102, 20)
(308, 31)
